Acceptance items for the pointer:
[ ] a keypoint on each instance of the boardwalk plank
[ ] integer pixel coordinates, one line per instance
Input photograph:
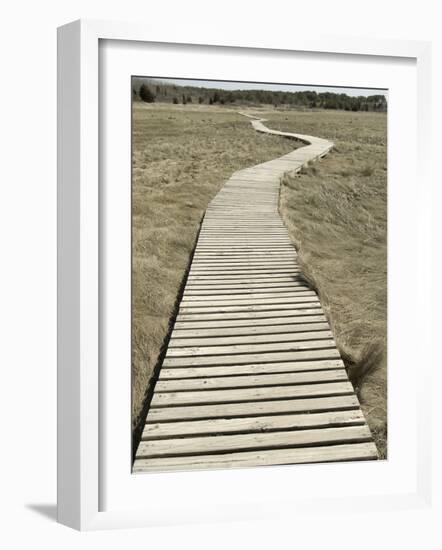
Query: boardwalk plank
(246, 442)
(232, 349)
(251, 368)
(212, 382)
(329, 453)
(251, 321)
(177, 342)
(166, 430)
(250, 358)
(258, 312)
(309, 303)
(248, 301)
(252, 409)
(170, 399)
(207, 296)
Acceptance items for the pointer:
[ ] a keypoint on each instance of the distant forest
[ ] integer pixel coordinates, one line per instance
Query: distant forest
(154, 91)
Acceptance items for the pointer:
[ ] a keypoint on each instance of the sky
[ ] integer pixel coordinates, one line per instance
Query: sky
(274, 87)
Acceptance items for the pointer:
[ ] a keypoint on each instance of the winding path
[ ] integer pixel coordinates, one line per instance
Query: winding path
(252, 375)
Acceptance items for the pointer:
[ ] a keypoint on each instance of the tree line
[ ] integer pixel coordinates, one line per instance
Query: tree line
(151, 91)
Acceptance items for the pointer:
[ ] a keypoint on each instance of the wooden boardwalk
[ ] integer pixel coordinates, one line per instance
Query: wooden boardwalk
(252, 375)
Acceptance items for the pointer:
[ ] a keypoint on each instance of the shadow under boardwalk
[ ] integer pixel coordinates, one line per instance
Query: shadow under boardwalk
(252, 375)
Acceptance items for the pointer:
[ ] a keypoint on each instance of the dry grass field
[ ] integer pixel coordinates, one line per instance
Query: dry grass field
(181, 157)
(335, 211)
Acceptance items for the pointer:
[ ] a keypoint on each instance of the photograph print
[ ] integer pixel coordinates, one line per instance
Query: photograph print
(259, 274)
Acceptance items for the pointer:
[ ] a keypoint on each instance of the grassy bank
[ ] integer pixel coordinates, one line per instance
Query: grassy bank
(181, 157)
(336, 213)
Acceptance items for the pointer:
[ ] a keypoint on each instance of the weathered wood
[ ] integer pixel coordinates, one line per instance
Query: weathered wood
(227, 256)
(199, 272)
(231, 349)
(238, 293)
(233, 265)
(241, 295)
(257, 312)
(250, 368)
(288, 257)
(246, 277)
(248, 301)
(177, 342)
(266, 281)
(241, 287)
(249, 358)
(244, 442)
(170, 399)
(239, 331)
(218, 309)
(252, 409)
(222, 426)
(213, 382)
(250, 321)
(329, 453)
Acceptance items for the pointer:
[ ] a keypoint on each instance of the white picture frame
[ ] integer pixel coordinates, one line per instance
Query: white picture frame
(80, 394)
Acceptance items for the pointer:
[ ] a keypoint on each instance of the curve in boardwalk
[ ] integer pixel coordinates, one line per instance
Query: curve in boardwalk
(252, 375)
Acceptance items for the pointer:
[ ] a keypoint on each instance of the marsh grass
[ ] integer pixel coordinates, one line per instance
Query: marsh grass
(182, 155)
(336, 214)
